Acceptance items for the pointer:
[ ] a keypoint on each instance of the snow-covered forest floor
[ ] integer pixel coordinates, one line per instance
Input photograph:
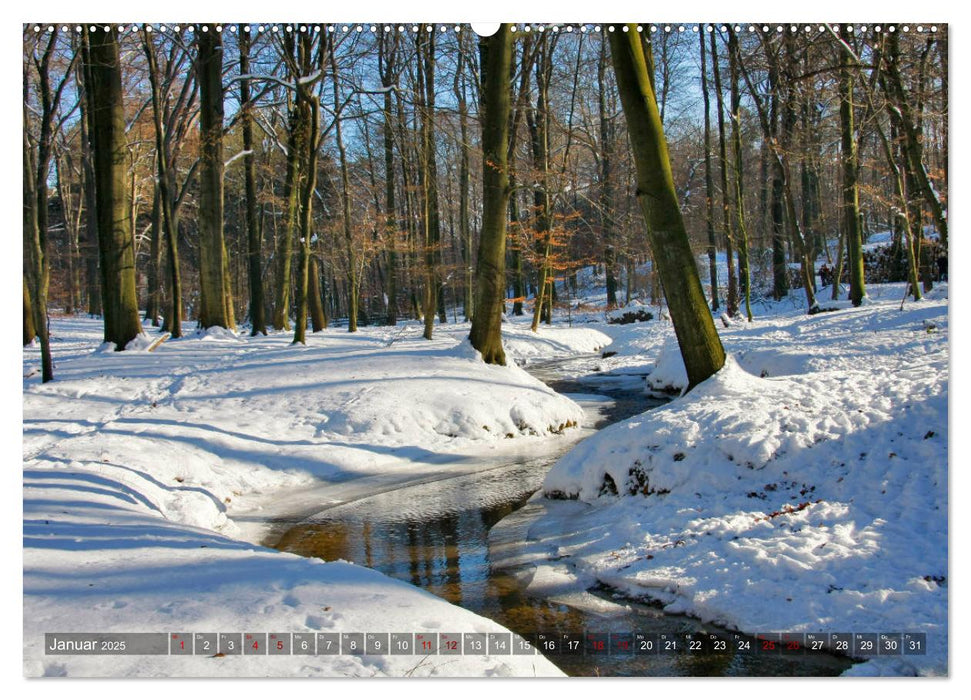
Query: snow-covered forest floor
(140, 470)
(802, 488)
(135, 464)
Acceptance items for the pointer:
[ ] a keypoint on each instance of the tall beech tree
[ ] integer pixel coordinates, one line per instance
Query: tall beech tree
(744, 274)
(216, 303)
(731, 297)
(709, 183)
(37, 165)
(387, 67)
(851, 190)
(490, 272)
(701, 348)
(171, 123)
(254, 230)
(109, 147)
(538, 122)
(310, 105)
(781, 163)
(908, 119)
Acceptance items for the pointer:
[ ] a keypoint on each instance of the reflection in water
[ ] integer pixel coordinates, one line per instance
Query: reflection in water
(435, 536)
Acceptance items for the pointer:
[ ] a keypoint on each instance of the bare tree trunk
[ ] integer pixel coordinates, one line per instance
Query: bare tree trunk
(428, 181)
(89, 247)
(731, 301)
(254, 232)
(486, 333)
(913, 149)
(538, 121)
(606, 179)
(110, 148)
(780, 270)
(465, 227)
(310, 106)
(152, 308)
(36, 254)
(701, 348)
(709, 184)
(386, 66)
(352, 281)
(167, 200)
(30, 331)
(734, 60)
(851, 194)
(318, 314)
(216, 305)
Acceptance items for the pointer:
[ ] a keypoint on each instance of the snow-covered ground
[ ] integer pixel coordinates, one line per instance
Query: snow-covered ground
(802, 488)
(137, 463)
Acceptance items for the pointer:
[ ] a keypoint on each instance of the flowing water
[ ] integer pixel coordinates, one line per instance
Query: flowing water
(436, 535)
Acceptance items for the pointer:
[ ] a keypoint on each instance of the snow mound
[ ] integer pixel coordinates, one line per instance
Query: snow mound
(217, 333)
(669, 376)
(521, 344)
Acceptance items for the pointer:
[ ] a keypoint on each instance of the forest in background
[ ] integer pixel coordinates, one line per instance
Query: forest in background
(313, 173)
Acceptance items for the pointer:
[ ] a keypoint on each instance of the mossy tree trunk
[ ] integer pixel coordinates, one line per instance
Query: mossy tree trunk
(109, 146)
(490, 273)
(701, 348)
(30, 331)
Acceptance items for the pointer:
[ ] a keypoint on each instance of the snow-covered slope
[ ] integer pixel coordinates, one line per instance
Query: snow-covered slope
(802, 488)
(135, 464)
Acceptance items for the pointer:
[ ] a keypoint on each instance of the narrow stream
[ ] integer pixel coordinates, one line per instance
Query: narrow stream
(436, 535)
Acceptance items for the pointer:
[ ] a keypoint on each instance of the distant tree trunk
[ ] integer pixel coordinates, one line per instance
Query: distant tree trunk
(606, 180)
(35, 254)
(254, 232)
(838, 265)
(709, 183)
(30, 332)
(89, 246)
(538, 121)
(780, 270)
(465, 227)
(386, 66)
(851, 195)
(486, 333)
(116, 242)
(352, 281)
(152, 308)
(778, 150)
(734, 59)
(71, 219)
(901, 219)
(521, 240)
(167, 200)
(428, 181)
(701, 348)
(731, 300)
(913, 150)
(296, 143)
(318, 315)
(311, 116)
(216, 305)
